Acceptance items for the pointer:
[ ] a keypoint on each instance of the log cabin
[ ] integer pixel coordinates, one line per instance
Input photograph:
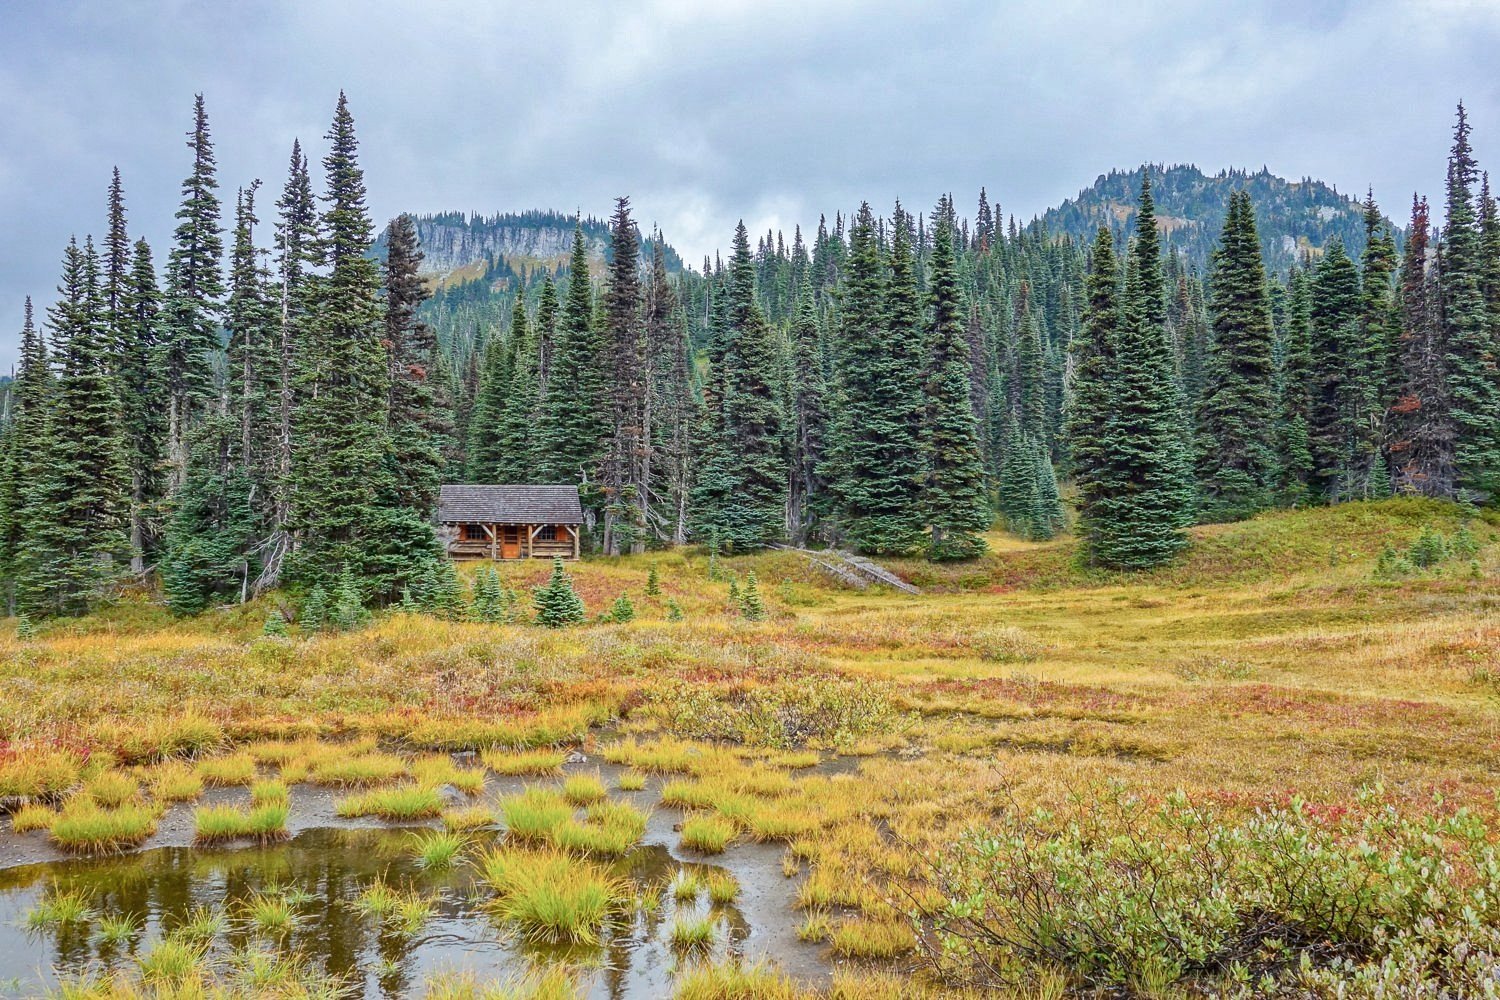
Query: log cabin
(510, 521)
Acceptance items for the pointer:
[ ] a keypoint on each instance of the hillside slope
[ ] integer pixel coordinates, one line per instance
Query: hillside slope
(1293, 216)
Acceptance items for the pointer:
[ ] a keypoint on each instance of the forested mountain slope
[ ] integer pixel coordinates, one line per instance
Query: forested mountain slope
(1293, 216)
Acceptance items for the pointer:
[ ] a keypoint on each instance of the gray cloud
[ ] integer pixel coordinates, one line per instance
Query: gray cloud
(708, 111)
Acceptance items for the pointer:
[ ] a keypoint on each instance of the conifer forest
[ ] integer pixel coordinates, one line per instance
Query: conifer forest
(911, 600)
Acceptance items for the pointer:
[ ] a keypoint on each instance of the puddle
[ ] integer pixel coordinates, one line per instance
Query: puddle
(330, 861)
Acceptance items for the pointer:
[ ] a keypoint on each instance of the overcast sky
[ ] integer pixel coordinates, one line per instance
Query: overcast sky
(705, 111)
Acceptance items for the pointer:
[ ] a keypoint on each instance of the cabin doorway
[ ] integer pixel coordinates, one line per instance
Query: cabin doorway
(510, 541)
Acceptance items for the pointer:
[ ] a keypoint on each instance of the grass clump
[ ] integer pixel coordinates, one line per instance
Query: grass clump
(175, 781)
(35, 772)
(583, 789)
(534, 814)
(269, 913)
(115, 931)
(861, 937)
(111, 789)
(403, 803)
(60, 906)
(403, 912)
(707, 833)
(173, 959)
(270, 792)
(84, 828)
(32, 817)
(632, 781)
(694, 933)
(609, 829)
(723, 888)
(356, 771)
(524, 762)
(438, 850)
(550, 894)
(438, 771)
(263, 823)
(228, 772)
(686, 885)
(467, 819)
(737, 982)
(201, 924)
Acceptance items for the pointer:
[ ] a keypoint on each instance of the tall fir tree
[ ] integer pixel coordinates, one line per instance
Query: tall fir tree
(28, 447)
(874, 451)
(1337, 376)
(515, 454)
(570, 433)
(807, 419)
(345, 506)
(486, 456)
(1089, 405)
(1236, 418)
(954, 496)
(1472, 376)
(195, 288)
(622, 473)
(740, 494)
(671, 405)
(1294, 460)
(1145, 497)
(71, 557)
(1421, 419)
(417, 420)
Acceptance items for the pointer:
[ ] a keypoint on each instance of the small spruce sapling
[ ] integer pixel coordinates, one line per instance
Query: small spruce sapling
(275, 626)
(734, 591)
(314, 610)
(622, 610)
(25, 631)
(674, 610)
(653, 583)
(751, 606)
(558, 604)
(348, 610)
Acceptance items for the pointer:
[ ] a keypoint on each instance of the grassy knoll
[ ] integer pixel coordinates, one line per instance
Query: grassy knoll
(1283, 666)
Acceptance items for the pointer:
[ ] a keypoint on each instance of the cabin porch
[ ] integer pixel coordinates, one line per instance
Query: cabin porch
(485, 540)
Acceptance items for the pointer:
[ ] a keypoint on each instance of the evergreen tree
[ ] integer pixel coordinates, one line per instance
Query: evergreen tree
(1145, 498)
(557, 604)
(69, 559)
(622, 476)
(672, 405)
(485, 454)
(416, 419)
(622, 611)
(1374, 384)
(1089, 404)
(751, 605)
(571, 430)
(957, 508)
(1473, 384)
(195, 287)
(24, 530)
(875, 456)
(1338, 358)
(1236, 419)
(1294, 459)
(808, 423)
(740, 495)
(1422, 432)
(514, 451)
(212, 530)
(344, 504)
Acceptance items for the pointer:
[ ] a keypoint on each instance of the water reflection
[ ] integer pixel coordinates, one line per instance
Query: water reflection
(324, 872)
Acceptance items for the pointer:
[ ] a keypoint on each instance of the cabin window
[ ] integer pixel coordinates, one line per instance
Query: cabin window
(474, 533)
(548, 533)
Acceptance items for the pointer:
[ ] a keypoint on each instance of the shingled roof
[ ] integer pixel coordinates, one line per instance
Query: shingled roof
(461, 504)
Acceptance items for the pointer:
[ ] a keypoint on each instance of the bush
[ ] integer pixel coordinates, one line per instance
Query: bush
(275, 625)
(1182, 896)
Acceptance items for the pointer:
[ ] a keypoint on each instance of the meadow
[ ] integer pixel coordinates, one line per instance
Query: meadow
(1231, 776)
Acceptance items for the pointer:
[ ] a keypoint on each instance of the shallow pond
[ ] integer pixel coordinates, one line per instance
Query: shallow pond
(325, 867)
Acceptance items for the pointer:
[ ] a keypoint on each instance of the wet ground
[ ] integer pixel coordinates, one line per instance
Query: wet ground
(329, 861)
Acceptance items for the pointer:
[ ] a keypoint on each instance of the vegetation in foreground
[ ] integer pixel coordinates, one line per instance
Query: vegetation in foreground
(1289, 713)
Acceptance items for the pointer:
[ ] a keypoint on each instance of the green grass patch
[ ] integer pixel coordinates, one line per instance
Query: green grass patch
(356, 771)
(534, 814)
(438, 850)
(219, 824)
(551, 895)
(527, 762)
(583, 789)
(84, 828)
(406, 802)
(707, 833)
(228, 772)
